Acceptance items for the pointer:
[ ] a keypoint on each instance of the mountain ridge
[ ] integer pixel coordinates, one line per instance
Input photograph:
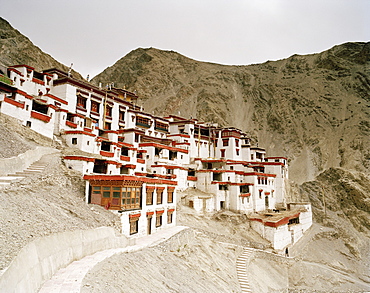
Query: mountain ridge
(270, 101)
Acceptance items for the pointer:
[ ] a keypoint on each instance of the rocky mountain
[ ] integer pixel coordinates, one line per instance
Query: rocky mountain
(16, 48)
(314, 109)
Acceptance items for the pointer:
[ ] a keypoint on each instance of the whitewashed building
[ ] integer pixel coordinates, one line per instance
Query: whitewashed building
(135, 162)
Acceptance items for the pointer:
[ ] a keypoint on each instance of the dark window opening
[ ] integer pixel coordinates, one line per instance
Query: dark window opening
(124, 170)
(172, 155)
(39, 107)
(191, 173)
(105, 146)
(74, 140)
(293, 221)
(100, 167)
(244, 189)
(223, 187)
(124, 152)
(216, 177)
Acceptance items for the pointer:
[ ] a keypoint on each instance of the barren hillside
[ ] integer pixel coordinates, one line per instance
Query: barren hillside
(45, 203)
(314, 109)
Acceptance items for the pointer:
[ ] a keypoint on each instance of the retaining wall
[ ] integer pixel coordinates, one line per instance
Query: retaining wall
(40, 259)
(23, 161)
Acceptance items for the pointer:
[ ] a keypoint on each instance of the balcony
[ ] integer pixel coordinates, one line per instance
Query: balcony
(140, 124)
(71, 124)
(14, 103)
(107, 154)
(40, 116)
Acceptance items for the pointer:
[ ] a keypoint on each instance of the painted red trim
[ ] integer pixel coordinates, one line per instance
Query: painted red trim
(135, 215)
(16, 71)
(36, 80)
(159, 212)
(79, 132)
(71, 124)
(192, 178)
(14, 103)
(170, 210)
(57, 99)
(245, 195)
(125, 144)
(277, 158)
(124, 158)
(79, 158)
(87, 129)
(40, 116)
(30, 68)
(140, 174)
(149, 213)
(267, 193)
(171, 188)
(150, 187)
(107, 154)
(259, 174)
(62, 110)
(24, 94)
(141, 161)
(179, 134)
(169, 167)
(160, 188)
(162, 146)
(130, 166)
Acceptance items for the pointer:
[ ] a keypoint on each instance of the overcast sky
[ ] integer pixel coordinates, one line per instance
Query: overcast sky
(94, 34)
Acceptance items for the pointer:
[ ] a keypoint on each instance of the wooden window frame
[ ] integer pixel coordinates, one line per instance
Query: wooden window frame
(134, 225)
(159, 196)
(149, 196)
(158, 220)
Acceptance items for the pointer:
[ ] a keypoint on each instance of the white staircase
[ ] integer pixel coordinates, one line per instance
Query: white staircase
(241, 269)
(34, 168)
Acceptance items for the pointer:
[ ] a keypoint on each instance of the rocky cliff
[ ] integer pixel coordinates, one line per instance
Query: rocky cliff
(313, 109)
(16, 48)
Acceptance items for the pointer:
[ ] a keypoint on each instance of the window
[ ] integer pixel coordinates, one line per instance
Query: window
(260, 193)
(169, 217)
(142, 121)
(158, 221)
(28, 123)
(222, 153)
(95, 107)
(81, 102)
(225, 142)
(108, 126)
(159, 196)
(74, 140)
(122, 116)
(237, 142)
(223, 187)
(293, 221)
(161, 126)
(170, 196)
(108, 111)
(27, 106)
(237, 152)
(134, 225)
(252, 157)
(149, 196)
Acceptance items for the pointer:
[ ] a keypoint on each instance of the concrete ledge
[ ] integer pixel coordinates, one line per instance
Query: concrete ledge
(23, 161)
(40, 259)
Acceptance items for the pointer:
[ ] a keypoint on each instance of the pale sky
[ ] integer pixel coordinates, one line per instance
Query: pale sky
(94, 34)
